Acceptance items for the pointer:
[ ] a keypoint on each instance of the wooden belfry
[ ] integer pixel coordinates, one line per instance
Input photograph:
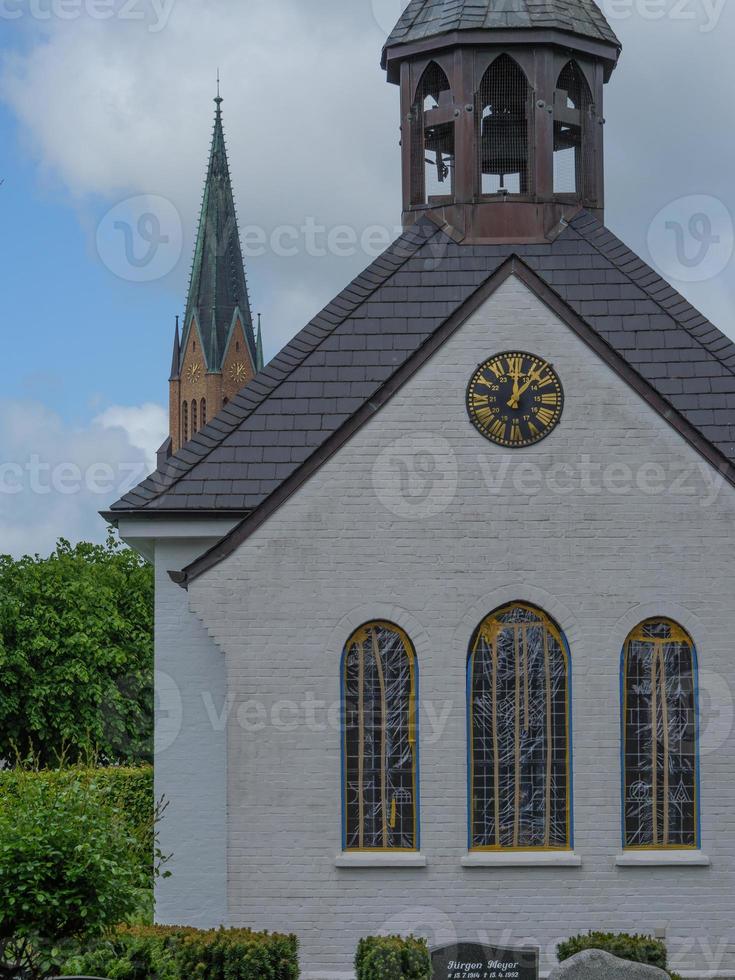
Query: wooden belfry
(501, 114)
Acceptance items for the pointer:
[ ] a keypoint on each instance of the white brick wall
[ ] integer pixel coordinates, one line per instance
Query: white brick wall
(190, 769)
(599, 562)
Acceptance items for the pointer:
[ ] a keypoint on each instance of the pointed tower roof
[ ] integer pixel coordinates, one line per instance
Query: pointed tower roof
(218, 286)
(176, 356)
(424, 19)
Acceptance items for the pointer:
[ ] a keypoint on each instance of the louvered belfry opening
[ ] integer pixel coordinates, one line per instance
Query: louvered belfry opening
(432, 118)
(573, 156)
(502, 113)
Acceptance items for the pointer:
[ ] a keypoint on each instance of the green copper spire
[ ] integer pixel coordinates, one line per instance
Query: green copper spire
(218, 291)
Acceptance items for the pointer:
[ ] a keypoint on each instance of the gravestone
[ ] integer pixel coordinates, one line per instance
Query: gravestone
(473, 961)
(594, 964)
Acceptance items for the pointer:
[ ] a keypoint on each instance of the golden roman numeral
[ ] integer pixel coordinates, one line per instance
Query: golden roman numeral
(551, 399)
(497, 370)
(498, 428)
(533, 430)
(545, 382)
(515, 366)
(515, 433)
(545, 416)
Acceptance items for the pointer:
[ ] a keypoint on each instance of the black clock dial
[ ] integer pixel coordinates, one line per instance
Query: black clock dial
(515, 399)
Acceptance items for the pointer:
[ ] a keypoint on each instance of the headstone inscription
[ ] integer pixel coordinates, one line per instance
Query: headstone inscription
(473, 961)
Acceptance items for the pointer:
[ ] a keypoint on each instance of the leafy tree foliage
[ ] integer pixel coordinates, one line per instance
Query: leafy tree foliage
(76, 655)
(70, 868)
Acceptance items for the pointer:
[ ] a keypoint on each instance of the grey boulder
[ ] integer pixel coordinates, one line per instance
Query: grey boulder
(594, 964)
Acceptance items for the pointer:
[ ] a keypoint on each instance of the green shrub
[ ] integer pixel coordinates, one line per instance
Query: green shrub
(170, 953)
(76, 655)
(639, 949)
(392, 958)
(70, 868)
(128, 790)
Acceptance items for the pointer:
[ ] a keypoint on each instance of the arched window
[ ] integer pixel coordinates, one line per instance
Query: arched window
(380, 751)
(502, 115)
(660, 733)
(432, 177)
(185, 422)
(519, 721)
(194, 425)
(572, 154)
(204, 412)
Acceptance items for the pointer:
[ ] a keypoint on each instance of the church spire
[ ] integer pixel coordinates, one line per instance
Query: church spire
(218, 289)
(217, 353)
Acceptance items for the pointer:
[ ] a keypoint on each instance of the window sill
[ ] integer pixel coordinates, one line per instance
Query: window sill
(662, 859)
(380, 859)
(521, 859)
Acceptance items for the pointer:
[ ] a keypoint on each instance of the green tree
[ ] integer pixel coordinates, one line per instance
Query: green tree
(70, 868)
(76, 655)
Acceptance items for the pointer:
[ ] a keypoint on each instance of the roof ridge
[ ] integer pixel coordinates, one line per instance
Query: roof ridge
(587, 222)
(161, 482)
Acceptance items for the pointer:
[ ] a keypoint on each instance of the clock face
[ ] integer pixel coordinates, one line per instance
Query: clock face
(238, 372)
(194, 372)
(515, 399)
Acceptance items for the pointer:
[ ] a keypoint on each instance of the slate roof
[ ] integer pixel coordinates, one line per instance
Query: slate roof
(342, 359)
(218, 286)
(424, 19)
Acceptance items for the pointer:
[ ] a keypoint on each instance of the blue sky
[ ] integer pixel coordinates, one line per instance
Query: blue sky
(95, 112)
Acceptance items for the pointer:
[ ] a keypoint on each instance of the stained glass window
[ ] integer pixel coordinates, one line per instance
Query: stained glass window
(519, 732)
(660, 737)
(380, 750)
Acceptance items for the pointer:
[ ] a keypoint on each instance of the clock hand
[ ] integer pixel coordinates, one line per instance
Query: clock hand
(517, 395)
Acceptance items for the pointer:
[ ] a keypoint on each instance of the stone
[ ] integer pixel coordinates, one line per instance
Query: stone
(474, 961)
(594, 964)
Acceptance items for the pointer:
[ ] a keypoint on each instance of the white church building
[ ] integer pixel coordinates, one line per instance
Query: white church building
(444, 595)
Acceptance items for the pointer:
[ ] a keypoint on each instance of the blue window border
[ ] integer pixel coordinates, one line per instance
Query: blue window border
(697, 728)
(343, 736)
(570, 728)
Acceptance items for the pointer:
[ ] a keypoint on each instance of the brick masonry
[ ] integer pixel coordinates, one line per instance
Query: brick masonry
(470, 527)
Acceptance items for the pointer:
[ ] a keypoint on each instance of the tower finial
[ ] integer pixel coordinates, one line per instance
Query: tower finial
(219, 99)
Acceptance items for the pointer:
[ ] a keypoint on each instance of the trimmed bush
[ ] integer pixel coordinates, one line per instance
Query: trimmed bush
(170, 953)
(128, 790)
(639, 949)
(392, 958)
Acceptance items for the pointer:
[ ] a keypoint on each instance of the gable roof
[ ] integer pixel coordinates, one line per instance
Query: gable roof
(352, 355)
(218, 287)
(423, 19)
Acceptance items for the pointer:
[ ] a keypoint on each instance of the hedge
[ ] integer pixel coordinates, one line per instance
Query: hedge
(177, 953)
(392, 958)
(128, 789)
(639, 949)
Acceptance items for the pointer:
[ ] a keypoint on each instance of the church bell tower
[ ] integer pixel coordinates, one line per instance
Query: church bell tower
(501, 114)
(218, 351)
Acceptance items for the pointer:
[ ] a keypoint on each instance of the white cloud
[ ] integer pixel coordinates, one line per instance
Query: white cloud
(54, 478)
(118, 107)
(145, 426)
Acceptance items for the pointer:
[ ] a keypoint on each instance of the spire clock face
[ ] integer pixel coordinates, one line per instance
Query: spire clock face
(515, 399)
(238, 372)
(194, 373)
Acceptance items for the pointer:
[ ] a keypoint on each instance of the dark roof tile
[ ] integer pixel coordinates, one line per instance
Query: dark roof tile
(339, 361)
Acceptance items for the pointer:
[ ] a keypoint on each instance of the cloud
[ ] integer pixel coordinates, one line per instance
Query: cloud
(54, 478)
(122, 106)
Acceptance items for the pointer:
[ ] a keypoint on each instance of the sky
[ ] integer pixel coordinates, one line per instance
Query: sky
(105, 120)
